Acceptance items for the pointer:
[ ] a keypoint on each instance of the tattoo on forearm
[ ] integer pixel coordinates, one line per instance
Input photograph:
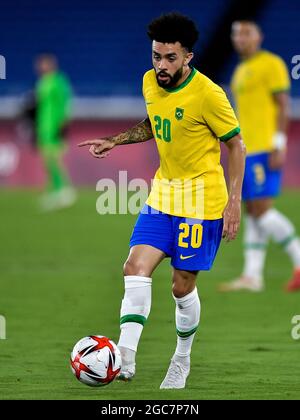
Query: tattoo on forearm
(137, 134)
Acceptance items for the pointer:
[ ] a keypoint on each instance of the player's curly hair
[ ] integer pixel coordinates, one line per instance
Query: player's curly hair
(173, 27)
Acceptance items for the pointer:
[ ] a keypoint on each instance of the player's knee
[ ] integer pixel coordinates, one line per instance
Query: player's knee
(134, 267)
(183, 284)
(180, 290)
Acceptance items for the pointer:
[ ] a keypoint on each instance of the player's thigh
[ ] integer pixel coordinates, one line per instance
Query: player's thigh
(183, 282)
(196, 243)
(258, 207)
(150, 242)
(142, 260)
(248, 207)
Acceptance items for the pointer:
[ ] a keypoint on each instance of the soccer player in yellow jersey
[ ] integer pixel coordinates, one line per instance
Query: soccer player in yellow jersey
(187, 115)
(260, 85)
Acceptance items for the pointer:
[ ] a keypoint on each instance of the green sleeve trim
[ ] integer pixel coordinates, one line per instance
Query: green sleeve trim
(231, 134)
(185, 83)
(139, 319)
(186, 334)
(284, 90)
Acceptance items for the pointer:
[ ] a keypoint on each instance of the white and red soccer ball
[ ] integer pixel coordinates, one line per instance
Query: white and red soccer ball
(95, 360)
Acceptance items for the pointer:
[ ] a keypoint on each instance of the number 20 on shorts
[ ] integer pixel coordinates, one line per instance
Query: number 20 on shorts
(194, 233)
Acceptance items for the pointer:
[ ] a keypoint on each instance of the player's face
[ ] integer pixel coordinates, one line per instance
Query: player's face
(45, 66)
(169, 62)
(245, 37)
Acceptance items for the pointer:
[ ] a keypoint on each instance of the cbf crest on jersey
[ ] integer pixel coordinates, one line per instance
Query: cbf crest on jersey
(179, 113)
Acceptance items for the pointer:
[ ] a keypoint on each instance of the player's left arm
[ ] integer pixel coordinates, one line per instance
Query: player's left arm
(278, 84)
(278, 155)
(236, 168)
(221, 119)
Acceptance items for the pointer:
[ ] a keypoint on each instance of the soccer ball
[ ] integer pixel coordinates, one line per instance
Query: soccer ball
(95, 360)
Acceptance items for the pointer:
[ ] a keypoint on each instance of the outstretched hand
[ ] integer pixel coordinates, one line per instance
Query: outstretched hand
(99, 148)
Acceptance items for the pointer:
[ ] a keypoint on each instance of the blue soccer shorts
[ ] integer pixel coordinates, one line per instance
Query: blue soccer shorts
(191, 244)
(260, 181)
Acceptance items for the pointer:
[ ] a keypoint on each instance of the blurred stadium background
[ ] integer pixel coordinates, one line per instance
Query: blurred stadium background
(53, 266)
(104, 49)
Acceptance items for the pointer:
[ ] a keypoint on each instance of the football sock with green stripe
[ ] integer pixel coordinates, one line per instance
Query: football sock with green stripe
(187, 315)
(135, 310)
(282, 231)
(255, 247)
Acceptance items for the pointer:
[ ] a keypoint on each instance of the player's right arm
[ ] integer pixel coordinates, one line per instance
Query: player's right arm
(100, 148)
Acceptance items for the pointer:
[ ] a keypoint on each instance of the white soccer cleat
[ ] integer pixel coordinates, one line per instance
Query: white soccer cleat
(127, 371)
(242, 283)
(57, 200)
(176, 376)
(126, 375)
(66, 197)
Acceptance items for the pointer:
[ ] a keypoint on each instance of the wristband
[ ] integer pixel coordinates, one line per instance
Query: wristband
(280, 140)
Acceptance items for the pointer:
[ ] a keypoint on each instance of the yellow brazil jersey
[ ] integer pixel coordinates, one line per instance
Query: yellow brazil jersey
(253, 83)
(187, 123)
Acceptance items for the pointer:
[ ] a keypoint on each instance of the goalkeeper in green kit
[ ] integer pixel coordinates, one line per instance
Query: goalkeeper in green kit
(53, 94)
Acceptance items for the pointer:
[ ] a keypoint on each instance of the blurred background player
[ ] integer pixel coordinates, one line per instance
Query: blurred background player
(53, 94)
(260, 85)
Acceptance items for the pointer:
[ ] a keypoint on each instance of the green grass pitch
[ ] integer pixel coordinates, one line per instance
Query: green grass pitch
(61, 279)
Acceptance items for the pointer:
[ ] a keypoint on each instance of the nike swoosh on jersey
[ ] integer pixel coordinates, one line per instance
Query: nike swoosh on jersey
(149, 103)
(182, 257)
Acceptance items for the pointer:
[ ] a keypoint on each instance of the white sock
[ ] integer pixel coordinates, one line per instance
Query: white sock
(255, 244)
(187, 315)
(282, 231)
(292, 248)
(135, 310)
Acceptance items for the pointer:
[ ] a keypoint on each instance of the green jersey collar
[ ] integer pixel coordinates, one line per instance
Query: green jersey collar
(183, 84)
